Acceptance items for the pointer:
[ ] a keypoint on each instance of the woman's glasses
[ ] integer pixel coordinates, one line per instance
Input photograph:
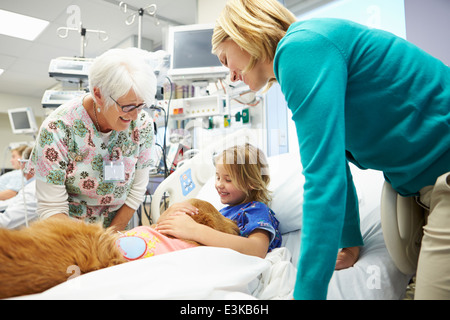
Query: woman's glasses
(130, 108)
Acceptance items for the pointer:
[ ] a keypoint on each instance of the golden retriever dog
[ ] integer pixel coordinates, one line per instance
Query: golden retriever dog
(44, 255)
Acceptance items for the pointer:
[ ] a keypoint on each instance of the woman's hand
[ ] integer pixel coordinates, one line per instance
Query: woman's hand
(347, 257)
(179, 225)
(180, 207)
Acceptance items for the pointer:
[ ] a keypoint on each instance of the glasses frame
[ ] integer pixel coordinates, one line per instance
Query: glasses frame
(132, 107)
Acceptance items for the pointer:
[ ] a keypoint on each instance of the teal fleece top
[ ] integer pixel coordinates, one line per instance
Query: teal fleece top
(364, 96)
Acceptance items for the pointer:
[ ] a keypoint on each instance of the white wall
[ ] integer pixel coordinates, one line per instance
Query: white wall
(209, 10)
(428, 26)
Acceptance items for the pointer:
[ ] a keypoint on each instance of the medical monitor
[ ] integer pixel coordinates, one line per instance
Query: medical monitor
(190, 53)
(70, 69)
(55, 98)
(22, 121)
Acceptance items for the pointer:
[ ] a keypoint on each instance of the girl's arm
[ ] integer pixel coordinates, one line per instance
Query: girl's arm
(184, 227)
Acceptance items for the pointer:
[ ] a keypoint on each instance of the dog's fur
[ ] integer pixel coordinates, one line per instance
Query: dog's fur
(43, 255)
(208, 215)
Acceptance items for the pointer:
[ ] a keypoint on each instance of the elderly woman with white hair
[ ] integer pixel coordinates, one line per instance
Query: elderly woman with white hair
(93, 154)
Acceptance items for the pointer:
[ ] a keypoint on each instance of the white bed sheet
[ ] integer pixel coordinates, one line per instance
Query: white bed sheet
(217, 273)
(196, 273)
(374, 276)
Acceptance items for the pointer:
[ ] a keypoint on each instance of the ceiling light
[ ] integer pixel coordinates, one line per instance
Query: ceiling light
(20, 26)
(1, 71)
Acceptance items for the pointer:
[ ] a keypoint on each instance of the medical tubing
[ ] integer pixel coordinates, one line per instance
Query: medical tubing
(166, 172)
(23, 193)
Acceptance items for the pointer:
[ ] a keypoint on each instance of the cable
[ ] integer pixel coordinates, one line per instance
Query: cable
(166, 125)
(166, 172)
(147, 213)
(164, 146)
(157, 144)
(22, 165)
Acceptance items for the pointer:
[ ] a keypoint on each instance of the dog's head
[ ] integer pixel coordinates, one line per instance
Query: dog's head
(208, 215)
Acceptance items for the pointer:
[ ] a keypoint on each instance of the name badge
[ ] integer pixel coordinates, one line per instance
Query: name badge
(114, 171)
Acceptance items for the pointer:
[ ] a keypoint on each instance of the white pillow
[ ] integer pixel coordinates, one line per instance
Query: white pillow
(208, 193)
(286, 184)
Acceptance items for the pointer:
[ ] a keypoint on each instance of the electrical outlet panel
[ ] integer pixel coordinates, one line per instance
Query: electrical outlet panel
(194, 107)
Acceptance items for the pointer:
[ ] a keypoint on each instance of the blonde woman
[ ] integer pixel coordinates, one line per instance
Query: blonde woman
(357, 95)
(241, 181)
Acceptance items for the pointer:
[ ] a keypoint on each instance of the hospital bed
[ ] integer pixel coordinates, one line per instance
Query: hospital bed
(219, 273)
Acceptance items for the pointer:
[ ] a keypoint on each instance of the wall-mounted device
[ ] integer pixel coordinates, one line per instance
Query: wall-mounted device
(190, 53)
(69, 69)
(22, 121)
(55, 98)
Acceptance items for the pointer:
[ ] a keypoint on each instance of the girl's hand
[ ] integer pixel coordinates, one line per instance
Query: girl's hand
(178, 225)
(180, 207)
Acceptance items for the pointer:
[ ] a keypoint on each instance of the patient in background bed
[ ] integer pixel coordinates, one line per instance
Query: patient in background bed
(242, 180)
(11, 182)
(21, 209)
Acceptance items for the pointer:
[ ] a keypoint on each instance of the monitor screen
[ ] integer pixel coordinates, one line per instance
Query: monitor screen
(190, 50)
(22, 121)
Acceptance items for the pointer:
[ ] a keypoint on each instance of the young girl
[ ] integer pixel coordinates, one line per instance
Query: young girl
(241, 181)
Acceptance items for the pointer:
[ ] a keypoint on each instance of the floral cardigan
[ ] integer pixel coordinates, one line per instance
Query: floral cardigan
(70, 151)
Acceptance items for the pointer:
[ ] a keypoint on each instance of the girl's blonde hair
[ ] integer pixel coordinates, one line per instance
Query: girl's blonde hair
(20, 149)
(256, 26)
(248, 170)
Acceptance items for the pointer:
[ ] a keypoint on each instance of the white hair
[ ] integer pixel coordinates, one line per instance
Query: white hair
(117, 71)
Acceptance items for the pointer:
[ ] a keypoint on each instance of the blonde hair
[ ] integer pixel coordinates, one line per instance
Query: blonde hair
(248, 170)
(256, 26)
(20, 149)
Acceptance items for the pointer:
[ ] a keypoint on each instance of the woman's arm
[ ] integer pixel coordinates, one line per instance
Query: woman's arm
(137, 191)
(134, 200)
(122, 218)
(51, 200)
(184, 227)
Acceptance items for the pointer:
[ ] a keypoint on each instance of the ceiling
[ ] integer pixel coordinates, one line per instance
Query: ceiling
(26, 63)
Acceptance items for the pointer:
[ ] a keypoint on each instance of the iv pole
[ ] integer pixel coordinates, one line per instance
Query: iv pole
(63, 32)
(150, 9)
(83, 31)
